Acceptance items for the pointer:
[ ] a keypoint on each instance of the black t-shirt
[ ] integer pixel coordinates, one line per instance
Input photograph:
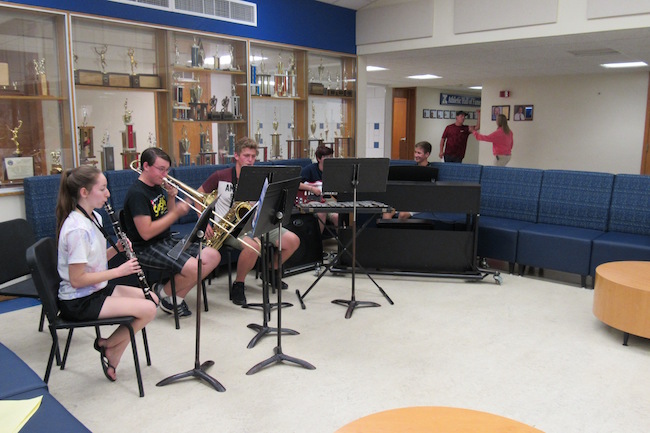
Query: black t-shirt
(142, 199)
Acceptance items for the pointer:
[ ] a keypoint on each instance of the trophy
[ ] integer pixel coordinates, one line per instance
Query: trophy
(217, 63)
(184, 147)
(233, 66)
(235, 104)
(214, 114)
(108, 157)
(177, 54)
(129, 152)
(57, 168)
(321, 69)
(258, 134)
(86, 140)
(41, 78)
(202, 138)
(292, 126)
(134, 64)
(275, 138)
(327, 127)
(291, 75)
(225, 114)
(196, 91)
(231, 141)
(14, 138)
(312, 125)
(195, 52)
(101, 52)
(151, 140)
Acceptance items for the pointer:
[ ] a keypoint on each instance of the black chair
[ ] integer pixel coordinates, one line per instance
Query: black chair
(15, 237)
(162, 275)
(42, 261)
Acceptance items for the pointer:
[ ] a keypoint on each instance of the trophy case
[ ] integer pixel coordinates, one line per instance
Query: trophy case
(331, 84)
(209, 97)
(34, 107)
(278, 101)
(120, 100)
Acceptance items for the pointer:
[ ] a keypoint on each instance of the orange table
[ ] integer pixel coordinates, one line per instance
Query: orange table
(622, 297)
(432, 419)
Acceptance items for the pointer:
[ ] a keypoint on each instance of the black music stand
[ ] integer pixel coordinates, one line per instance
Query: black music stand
(198, 371)
(274, 208)
(355, 175)
(252, 177)
(249, 188)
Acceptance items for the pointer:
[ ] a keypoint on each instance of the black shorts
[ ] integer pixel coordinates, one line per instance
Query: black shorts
(156, 255)
(86, 308)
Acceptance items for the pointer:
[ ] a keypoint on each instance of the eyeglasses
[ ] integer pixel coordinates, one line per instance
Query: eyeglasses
(161, 169)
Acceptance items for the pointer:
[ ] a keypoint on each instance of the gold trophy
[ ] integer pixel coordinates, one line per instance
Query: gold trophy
(312, 125)
(101, 52)
(14, 138)
(275, 138)
(134, 64)
(57, 168)
(86, 142)
(184, 147)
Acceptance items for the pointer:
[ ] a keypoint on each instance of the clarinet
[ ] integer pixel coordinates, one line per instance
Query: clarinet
(130, 254)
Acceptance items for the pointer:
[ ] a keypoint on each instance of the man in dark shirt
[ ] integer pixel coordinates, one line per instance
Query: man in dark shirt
(149, 212)
(454, 139)
(312, 182)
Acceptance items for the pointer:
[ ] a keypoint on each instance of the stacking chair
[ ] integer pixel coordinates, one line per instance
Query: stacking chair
(42, 261)
(15, 237)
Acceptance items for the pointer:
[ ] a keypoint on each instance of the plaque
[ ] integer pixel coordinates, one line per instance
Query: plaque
(118, 80)
(4, 74)
(18, 167)
(147, 81)
(316, 89)
(41, 78)
(57, 168)
(90, 78)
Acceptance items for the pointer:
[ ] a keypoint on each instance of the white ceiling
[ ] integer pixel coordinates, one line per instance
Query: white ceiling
(471, 65)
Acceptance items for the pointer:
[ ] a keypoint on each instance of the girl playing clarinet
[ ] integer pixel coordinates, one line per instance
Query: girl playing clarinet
(84, 292)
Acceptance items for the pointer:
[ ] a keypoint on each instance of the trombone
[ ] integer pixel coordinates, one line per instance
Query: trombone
(202, 200)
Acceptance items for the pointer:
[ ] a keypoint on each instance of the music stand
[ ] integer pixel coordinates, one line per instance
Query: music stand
(355, 175)
(252, 177)
(249, 188)
(198, 371)
(274, 208)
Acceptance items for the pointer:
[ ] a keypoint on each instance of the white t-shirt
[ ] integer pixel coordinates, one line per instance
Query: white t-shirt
(80, 242)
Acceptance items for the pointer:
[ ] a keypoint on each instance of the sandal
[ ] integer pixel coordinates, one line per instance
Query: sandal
(104, 360)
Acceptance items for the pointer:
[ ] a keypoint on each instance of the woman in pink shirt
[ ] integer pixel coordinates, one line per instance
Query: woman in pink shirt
(501, 140)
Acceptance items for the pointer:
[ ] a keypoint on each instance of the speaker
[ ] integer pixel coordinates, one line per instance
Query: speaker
(309, 254)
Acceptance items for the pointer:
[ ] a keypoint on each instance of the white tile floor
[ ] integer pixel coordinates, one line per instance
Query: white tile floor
(530, 349)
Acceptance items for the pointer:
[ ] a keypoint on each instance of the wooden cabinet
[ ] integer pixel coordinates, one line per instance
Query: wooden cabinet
(34, 105)
(209, 97)
(76, 88)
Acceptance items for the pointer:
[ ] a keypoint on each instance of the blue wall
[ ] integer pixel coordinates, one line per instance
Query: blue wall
(306, 23)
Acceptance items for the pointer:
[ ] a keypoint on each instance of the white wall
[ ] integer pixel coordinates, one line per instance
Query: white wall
(593, 123)
(376, 121)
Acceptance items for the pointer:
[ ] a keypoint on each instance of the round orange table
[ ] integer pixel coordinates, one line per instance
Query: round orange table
(433, 419)
(622, 297)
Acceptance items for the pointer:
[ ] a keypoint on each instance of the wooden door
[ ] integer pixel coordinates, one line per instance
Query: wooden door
(403, 124)
(398, 143)
(645, 158)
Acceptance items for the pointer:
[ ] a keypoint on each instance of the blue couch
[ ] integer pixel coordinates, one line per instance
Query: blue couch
(19, 382)
(570, 221)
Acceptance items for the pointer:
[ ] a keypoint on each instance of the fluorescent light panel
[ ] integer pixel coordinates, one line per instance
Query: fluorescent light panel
(476, 87)
(624, 65)
(375, 68)
(423, 77)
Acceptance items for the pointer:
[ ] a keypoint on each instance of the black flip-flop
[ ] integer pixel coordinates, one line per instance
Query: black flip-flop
(104, 360)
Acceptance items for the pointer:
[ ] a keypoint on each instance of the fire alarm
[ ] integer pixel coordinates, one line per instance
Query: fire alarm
(504, 93)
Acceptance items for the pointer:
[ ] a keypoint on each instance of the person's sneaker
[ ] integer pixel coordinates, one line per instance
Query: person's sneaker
(157, 289)
(182, 309)
(237, 293)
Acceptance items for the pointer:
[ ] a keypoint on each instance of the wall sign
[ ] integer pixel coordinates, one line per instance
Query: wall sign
(447, 99)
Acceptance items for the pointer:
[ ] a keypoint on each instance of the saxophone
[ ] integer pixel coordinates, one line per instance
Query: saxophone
(231, 219)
